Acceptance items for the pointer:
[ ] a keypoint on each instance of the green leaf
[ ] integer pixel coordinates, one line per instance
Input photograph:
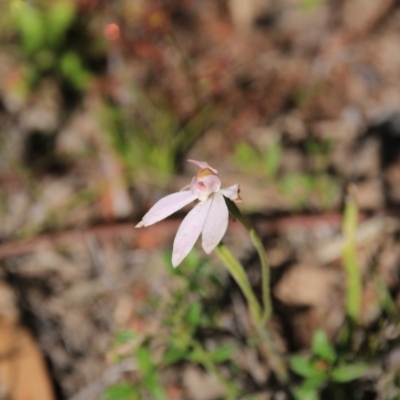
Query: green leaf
(59, 18)
(314, 382)
(152, 384)
(321, 346)
(196, 355)
(122, 391)
(350, 372)
(30, 22)
(305, 394)
(193, 314)
(174, 354)
(144, 360)
(223, 353)
(303, 366)
(73, 70)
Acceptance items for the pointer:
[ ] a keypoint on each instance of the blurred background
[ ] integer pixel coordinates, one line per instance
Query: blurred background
(101, 104)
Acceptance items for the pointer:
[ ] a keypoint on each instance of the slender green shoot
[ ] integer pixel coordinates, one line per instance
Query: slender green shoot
(236, 270)
(351, 267)
(256, 240)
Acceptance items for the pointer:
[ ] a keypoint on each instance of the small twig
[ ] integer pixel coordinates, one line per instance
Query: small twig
(163, 231)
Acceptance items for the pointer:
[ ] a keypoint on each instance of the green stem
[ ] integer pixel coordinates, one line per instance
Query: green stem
(353, 273)
(266, 341)
(238, 273)
(259, 316)
(272, 354)
(256, 240)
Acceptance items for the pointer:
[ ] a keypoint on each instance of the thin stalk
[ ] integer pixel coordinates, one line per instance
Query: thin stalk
(272, 355)
(256, 240)
(238, 273)
(267, 345)
(352, 269)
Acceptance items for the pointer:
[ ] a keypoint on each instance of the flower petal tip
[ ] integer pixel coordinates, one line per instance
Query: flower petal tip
(176, 259)
(203, 165)
(208, 250)
(140, 225)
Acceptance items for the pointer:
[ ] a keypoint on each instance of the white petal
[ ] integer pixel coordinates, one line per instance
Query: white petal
(216, 223)
(232, 192)
(166, 206)
(189, 231)
(203, 165)
(199, 189)
(212, 182)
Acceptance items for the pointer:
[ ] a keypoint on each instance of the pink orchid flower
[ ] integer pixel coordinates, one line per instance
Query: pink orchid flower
(209, 217)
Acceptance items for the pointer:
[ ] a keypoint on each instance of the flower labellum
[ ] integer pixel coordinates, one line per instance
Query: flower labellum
(209, 217)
